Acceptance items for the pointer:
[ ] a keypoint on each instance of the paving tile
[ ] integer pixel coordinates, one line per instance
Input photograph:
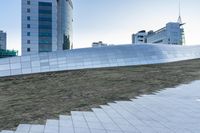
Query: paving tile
(98, 131)
(81, 130)
(23, 128)
(65, 124)
(36, 129)
(51, 126)
(174, 110)
(7, 131)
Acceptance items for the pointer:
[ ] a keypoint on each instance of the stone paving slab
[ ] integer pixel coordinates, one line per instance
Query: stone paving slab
(174, 110)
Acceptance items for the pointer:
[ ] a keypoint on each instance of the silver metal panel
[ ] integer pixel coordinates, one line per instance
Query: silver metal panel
(110, 56)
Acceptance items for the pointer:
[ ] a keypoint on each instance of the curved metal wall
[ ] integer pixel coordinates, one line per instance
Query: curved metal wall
(110, 56)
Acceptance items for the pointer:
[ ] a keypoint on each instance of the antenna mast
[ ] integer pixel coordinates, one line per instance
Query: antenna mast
(179, 17)
(182, 39)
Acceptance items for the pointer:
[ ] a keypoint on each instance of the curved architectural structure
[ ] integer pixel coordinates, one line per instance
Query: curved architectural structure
(110, 56)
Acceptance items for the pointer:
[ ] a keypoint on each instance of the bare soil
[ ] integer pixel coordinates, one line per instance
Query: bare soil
(37, 97)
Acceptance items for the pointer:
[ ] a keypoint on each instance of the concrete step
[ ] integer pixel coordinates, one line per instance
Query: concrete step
(65, 124)
(79, 122)
(37, 129)
(23, 128)
(170, 111)
(6, 131)
(52, 126)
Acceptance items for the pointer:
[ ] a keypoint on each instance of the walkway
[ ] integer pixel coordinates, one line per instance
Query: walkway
(174, 110)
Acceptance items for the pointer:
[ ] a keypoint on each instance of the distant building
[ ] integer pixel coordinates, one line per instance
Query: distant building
(140, 37)
(99, 44)
(3, 42)
(46, 26)
(172, 33)
(3, 47)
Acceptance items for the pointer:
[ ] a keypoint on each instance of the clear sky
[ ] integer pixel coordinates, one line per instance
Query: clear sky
(111, 21)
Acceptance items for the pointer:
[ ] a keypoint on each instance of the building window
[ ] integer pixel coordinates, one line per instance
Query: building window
(28, 42)
(45, 26)
(28, 26)
(48, 4)
(28, 10)
(46, 11)
(28, 49)
(28, 2)
(28, 34)
(28, 18)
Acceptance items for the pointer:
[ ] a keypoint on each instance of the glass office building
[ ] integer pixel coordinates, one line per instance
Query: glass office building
(46, 26)
(65, 24)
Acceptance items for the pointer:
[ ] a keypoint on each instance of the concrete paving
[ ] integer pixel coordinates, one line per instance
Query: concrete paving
(174, 110)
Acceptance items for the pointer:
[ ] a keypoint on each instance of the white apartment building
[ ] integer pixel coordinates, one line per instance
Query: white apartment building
(172, 33)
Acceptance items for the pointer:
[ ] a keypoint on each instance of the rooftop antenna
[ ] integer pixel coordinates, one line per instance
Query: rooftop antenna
(179, 17)
(182, 39)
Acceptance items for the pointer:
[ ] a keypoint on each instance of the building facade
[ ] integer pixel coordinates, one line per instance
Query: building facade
(46, 26)
(3, 40)
(64, 21)
(172, 33)
(139, 37)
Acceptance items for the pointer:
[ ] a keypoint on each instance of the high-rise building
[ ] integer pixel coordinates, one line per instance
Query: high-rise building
(64, 27)
(3, 38)
(46, 26)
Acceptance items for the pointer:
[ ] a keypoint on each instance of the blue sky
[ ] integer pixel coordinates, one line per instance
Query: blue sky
(111, 21)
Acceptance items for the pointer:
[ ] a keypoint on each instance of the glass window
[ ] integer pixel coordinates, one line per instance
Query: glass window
(45, 19)
(28, 49)
(28, 2)
(28, 26)
(45, 26)
(46, 34)
(45, 4)
(28, 18)
(28, 41)
(45, 41)
(28, 34)
(28, 10)
(45, 11)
